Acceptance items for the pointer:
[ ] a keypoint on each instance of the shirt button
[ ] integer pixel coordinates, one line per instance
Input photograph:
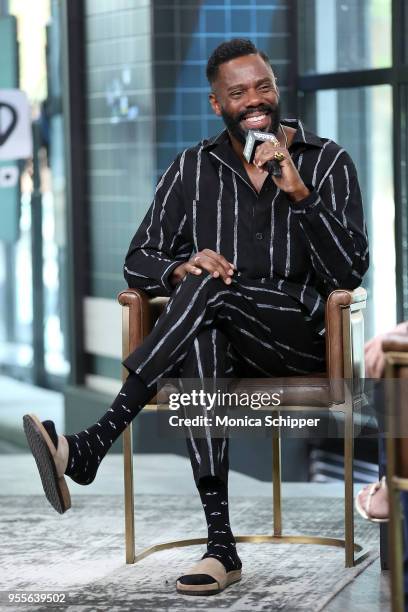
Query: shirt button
(259, 235)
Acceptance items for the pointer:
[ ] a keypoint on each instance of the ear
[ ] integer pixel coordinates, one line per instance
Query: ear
(275, 78)
(215, 105)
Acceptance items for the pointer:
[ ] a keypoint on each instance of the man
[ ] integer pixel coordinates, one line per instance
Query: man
(247, 260)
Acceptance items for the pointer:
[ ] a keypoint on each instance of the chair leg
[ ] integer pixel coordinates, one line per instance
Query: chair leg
(395, 534)
(276, 481)
(384, 533)
(129, 495)
(348, 488)
(396, 550)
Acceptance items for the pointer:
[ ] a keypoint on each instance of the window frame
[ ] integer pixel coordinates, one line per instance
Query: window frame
(395, 76)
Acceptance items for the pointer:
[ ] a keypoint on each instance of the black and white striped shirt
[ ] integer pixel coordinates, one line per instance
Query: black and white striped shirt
(305, 249)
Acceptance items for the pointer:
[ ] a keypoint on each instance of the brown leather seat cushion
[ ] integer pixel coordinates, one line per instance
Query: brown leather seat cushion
(313, 390)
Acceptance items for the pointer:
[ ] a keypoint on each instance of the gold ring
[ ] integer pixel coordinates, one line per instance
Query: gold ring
(279, 156)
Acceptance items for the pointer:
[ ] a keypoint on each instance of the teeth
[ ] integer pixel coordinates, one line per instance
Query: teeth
(256, 119)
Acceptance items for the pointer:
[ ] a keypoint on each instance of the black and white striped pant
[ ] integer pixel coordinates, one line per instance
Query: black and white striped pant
(212, 330)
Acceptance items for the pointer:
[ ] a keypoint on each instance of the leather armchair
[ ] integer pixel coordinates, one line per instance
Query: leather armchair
(323, 391)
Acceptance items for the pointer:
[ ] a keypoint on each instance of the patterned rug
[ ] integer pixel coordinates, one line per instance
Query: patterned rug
(81, 553)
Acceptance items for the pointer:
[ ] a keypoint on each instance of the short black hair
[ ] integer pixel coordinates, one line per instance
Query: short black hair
(228, 50)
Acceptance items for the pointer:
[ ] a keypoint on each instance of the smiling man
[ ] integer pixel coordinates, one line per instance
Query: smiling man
(248, 260)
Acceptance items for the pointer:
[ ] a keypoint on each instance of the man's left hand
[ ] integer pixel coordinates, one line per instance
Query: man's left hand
(290, 182)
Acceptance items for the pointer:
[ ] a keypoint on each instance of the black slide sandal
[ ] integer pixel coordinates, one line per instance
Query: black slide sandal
(44, 450)
(211, 576)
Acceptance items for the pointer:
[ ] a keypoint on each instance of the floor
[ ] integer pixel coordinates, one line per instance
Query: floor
(156, 475)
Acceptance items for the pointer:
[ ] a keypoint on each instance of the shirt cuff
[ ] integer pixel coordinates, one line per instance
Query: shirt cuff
(307, 204)
(165, 277)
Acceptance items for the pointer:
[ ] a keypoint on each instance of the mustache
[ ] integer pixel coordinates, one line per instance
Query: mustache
(262, 108)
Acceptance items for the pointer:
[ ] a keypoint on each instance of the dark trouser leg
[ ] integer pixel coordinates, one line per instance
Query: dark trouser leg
(87, 448)
(206, 365)
(264, 326)
(267, 329)
(207, 359)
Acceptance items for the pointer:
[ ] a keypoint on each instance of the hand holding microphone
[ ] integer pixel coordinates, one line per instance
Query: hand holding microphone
(273, 165)
(256, 138)
(264, 150)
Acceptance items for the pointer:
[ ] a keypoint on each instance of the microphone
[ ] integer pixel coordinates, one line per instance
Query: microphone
(253, 139)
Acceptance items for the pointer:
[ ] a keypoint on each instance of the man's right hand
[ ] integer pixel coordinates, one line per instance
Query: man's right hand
(208, 260)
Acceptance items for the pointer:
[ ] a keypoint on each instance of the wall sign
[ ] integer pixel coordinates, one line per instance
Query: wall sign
(15, 125)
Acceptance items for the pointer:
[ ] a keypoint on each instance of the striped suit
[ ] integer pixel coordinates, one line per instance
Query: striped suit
(289, 257)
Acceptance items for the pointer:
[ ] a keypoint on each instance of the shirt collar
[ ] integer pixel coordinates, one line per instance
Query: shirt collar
(219, 146)
(301, 136)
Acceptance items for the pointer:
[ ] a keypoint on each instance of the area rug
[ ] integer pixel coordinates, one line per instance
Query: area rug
(81, 554)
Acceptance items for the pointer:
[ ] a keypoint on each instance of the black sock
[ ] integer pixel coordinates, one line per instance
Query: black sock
(87, 448)
(221, 543)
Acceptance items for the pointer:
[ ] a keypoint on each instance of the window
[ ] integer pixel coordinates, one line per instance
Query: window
(350, 117)
(352, 88)
(342, 35)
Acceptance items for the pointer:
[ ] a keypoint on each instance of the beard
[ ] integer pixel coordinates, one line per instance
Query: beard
(232, 122)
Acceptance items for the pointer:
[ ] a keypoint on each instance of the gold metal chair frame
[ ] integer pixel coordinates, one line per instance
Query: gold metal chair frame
(352, 322)
(394, 361)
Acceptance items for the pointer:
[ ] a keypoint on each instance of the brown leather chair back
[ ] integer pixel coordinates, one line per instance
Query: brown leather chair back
(345, 339)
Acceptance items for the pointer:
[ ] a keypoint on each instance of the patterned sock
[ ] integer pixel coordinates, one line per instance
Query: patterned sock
(221, 542)
(87, 448)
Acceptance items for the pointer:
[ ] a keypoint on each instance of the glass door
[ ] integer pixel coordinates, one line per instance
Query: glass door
(33, 314)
